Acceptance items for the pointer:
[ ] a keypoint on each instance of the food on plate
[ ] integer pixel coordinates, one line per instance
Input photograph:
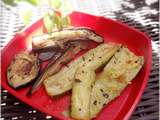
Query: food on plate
(52, 54)
(96, 77)
(48, 55)
(57, 39)
(55, 65)
(23, 69)
(116, 75)
(62, 81)
(80, 101)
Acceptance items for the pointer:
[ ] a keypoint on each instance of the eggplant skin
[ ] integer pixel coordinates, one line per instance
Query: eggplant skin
(57, 62)
(23, 69)
(57, 39)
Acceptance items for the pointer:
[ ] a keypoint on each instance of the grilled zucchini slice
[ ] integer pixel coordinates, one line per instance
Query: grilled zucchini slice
(116, 75)
(80, 102)
(62, 81)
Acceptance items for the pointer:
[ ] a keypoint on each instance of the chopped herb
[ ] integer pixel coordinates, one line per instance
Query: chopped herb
(83, 58)
(105, 95)
(101, 90)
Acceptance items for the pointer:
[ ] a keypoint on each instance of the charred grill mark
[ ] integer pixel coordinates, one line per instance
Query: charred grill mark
(91, 86)
(104, 104)
(10, 77)
(24, 65)
(78, 80)
(129, 61)
(9, 69)
(95, 102)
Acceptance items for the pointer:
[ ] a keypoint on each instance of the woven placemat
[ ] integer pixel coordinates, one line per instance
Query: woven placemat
(141, 14)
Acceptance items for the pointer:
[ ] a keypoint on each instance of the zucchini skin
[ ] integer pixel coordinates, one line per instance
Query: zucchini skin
(116, 75)
(63, 80)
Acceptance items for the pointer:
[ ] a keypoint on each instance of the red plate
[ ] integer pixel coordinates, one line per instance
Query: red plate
(119, 109)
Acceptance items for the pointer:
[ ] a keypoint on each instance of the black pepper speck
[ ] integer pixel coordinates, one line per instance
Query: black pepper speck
(105, 95)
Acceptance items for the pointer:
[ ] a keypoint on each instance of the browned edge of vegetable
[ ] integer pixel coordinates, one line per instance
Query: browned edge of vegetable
(59, 44)
(29, 83)
(71, 50)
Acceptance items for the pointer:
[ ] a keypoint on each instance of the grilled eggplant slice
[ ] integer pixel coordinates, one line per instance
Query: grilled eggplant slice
(57, 39)
(116, 75)
(80, 102)
(23, 69)
(55, 65)
(62, 81)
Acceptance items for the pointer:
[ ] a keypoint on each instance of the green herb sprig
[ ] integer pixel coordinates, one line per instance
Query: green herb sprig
(56, 18)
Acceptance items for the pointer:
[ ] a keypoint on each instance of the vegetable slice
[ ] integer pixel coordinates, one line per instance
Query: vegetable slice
(84, 79)
(62, 81)
(116, 75)
(45, 56)
(55, 65)
(59, 38)
(23, 69)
